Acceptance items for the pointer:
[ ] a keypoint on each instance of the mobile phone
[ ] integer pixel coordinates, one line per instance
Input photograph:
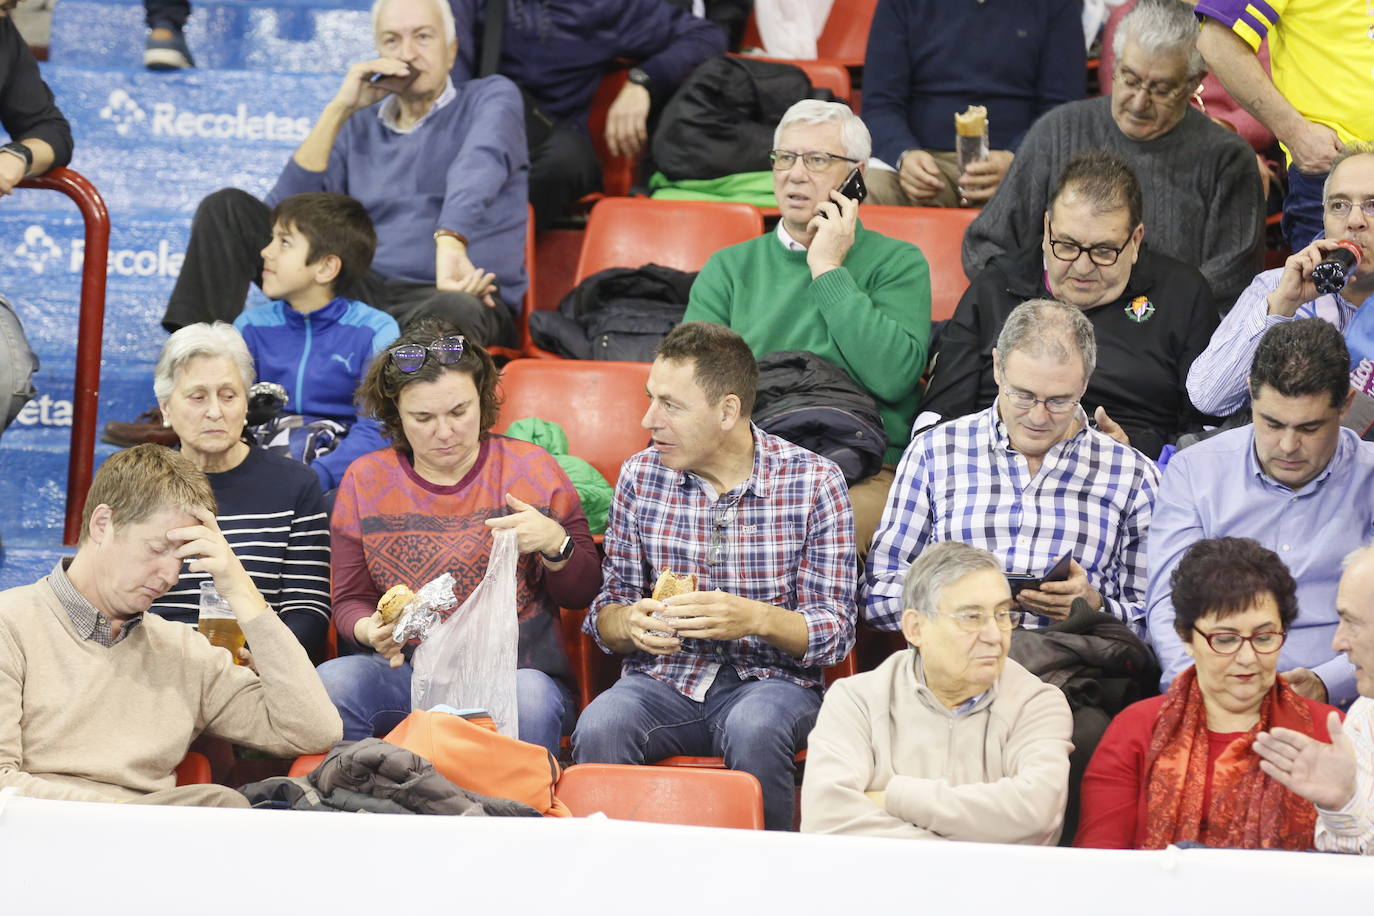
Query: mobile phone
(852, 187)
(1057, 573)
(394, 84)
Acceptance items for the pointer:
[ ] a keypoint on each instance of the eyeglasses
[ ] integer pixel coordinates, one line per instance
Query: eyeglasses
(410, 357)
(1342, 208)
(1224, 643)
(815, 162)
(1163, 92)
(1101, 255)
(725, 517)
(1024, 400)
(974, 621)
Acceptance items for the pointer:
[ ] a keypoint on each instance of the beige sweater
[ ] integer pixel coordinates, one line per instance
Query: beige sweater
(83, 722)
(998, 774)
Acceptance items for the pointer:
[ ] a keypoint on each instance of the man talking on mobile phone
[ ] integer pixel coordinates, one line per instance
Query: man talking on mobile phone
(825, 284)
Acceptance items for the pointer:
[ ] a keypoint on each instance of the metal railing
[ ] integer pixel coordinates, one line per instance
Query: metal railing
(89, 336)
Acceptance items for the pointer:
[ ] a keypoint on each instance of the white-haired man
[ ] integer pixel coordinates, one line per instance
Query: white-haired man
(948, 739)
(442, 170)
(824, 283)
(1338, 777)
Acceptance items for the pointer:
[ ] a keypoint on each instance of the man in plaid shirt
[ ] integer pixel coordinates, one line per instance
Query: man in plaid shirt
(1027, 479)
(734, 668)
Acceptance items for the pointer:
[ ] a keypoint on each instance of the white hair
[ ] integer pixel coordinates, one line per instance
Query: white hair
(445, 18)
(940, 565)
(1162, 27)
(854, 136)
(1047, 327)
(208, 340)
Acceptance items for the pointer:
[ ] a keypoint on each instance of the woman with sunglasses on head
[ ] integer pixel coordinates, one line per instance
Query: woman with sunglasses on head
(1181, 767)
(427, 506)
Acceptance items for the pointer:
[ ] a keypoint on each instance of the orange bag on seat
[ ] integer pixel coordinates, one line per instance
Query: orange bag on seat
(468, 750)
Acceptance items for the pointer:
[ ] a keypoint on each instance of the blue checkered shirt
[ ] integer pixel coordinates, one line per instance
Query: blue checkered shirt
(788, 541)
(963, 481)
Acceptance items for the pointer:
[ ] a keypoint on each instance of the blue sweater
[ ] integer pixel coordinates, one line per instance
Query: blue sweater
(465, 169)
(320, 359)
(928, 59)
(558, 50)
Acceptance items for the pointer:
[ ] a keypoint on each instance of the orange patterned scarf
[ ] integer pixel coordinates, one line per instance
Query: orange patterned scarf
(1248, 810)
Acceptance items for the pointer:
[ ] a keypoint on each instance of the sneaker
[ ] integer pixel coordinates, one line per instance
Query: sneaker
(147, 428)
(166, 50)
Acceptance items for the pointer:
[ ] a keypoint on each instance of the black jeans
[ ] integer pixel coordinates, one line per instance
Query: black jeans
(228, 233)
(562, 171)
(166, 12)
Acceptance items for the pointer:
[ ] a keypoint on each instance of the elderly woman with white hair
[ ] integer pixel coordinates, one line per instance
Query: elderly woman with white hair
(270, 507)
(948, 739)
(825, 284)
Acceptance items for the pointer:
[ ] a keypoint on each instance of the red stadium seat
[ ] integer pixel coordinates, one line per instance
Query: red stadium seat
(939, 233)
(598, 404)
(700, 798)
(594, 670)
(194, 770)
(844, 39)
(305, 764)
(634, 231)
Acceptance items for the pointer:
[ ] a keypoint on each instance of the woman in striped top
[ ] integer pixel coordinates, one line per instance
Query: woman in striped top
(270, 507)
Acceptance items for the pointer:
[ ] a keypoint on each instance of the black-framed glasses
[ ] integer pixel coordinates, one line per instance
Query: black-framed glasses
(1024, 400)
(724, 518)
(783, 160)
(1227, 643)
(1161, 92)
(1101, 255)
(1343, 208)
(974, 621)
(410, 357)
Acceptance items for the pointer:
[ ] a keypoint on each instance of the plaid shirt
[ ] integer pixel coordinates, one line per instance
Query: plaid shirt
(90, 624)
(788, 539)
(963, 481)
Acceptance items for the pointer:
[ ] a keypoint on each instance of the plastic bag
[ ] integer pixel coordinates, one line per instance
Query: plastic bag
(469, 660)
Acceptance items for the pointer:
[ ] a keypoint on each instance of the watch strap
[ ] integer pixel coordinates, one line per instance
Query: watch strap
(22, 151)
(565, 551)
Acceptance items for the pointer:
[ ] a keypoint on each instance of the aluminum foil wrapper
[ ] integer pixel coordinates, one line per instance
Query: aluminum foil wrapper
(422, 614)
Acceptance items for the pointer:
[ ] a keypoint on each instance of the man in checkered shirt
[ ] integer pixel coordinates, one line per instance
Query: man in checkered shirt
(1028, 479)
(733, 669)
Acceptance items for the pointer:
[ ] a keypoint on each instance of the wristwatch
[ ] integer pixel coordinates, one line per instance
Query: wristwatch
(22, 151)
(638, 77)
(565, 550)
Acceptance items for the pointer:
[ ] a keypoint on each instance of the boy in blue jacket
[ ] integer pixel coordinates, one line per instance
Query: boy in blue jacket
(312, 342)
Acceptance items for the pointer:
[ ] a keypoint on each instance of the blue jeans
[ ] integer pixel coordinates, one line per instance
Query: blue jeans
(1303, 217)
(372, 698)
(758, 726)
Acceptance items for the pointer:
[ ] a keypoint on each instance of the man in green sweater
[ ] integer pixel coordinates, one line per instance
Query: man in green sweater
(824, 283)
(99, 700)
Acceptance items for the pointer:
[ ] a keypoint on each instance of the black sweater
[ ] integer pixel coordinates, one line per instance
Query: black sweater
(1141, 365)
(27, 109)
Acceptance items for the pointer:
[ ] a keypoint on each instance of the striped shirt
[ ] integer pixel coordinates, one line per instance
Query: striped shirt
(784, 537)
(272, 514)
(963, 481)
(1218, 379)
(1351, 829)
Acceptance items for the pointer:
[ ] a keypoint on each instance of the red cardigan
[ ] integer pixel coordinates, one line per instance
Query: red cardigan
(1112, 796)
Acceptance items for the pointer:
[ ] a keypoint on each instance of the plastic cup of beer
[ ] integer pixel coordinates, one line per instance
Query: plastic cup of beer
(218, 623)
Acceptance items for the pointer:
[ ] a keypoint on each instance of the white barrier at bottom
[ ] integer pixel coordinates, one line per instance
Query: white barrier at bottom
(69, 857)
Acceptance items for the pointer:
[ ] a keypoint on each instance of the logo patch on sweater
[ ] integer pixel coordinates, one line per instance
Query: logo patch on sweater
(1140, 309)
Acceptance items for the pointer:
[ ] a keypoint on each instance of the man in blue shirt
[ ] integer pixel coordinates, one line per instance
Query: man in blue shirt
(1295, 480)
(443, 172)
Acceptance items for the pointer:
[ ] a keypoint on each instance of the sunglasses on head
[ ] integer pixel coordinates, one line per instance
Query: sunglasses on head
(410, 357)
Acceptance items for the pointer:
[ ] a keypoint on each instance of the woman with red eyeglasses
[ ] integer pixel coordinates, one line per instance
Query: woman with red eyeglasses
(1181, 767)
(426, 506)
